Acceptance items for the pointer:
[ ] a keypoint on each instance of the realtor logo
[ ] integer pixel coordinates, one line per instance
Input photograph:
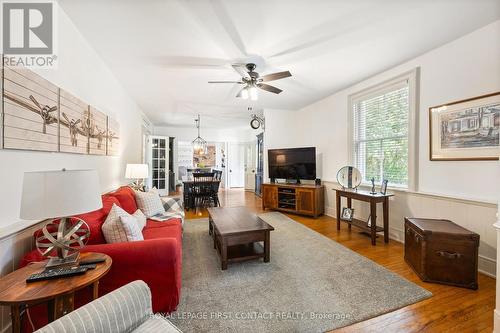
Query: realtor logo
(27, 28)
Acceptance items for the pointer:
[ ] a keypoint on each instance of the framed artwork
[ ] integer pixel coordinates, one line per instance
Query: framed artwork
(73, 135)
(112, 137)
(347, 214)
(30, 111)
(383, 187)
(37, 115)
(465, 130)
(96, 122)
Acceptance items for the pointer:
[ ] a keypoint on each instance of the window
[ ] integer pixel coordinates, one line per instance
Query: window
(383, 127)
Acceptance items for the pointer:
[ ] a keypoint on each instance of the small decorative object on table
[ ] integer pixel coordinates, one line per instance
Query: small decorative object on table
(56, 195)
(347, 214)
(138, 172)
(349, 177)
(383, 187)
(373, 186)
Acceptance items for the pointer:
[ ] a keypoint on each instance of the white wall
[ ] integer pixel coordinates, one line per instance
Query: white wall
(209, 134)
(84, 74)
(466, 67)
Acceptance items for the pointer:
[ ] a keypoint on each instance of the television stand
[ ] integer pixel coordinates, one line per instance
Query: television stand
(294, 198)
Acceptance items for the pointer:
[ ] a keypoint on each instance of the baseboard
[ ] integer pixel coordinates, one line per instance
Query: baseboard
(486, 265)
(496, 321)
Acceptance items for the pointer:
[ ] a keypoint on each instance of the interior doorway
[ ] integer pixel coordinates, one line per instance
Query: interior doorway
(236, 161)
(250, 165)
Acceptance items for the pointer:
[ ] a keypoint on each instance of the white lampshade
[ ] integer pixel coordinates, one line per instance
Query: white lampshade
(53, 194)
(137, 171)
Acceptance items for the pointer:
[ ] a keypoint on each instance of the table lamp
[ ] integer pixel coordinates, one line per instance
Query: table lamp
(137, 172)
(58, 195)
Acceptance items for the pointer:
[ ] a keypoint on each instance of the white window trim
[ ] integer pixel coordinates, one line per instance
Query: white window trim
(413, 78)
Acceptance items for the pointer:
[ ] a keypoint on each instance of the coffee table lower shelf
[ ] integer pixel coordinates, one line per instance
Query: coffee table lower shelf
(242, 252)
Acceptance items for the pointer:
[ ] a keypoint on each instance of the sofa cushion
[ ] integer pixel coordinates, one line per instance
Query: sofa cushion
(168, 229)
(120, 226)
(149, 202)
(126, 197)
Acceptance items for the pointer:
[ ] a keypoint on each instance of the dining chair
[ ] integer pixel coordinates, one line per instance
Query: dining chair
(202, 188)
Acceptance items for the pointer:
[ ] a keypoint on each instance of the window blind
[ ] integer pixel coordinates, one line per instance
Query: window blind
(381, 134)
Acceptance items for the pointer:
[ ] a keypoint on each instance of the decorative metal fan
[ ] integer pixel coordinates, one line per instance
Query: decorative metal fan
(253, 81)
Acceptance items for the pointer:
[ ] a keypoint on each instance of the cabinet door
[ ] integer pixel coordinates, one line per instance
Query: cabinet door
(270, 196)
(305, 201)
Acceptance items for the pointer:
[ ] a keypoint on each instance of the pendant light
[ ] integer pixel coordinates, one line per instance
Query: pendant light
(199, 144)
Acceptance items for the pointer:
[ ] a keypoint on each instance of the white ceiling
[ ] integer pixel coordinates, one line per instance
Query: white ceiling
(165, 51)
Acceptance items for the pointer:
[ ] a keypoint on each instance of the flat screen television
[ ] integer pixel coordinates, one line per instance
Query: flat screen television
(292, 163)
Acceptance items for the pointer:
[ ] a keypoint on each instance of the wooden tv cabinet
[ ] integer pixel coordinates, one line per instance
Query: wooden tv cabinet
(294, 198)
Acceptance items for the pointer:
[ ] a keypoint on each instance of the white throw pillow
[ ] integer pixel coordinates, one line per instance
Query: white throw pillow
(120, 226)
(132, 230)
(141, 219)
(149, 202)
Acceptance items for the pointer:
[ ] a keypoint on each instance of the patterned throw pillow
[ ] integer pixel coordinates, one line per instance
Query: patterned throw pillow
(173, 207)
(120, 226)
(149, 203)
(141, 219)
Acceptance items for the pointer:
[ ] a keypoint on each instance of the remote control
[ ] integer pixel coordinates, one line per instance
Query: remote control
(88, 266)
(55, 273)
(92, 261)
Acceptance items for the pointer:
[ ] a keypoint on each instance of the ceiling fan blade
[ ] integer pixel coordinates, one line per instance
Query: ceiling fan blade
(275, 76)
(239, 82)
(241, 69)
(269, 88)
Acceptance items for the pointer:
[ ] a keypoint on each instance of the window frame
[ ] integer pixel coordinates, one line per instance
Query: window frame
(413, 79)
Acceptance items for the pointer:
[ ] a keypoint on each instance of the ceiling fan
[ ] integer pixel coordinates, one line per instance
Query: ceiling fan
(253, 81)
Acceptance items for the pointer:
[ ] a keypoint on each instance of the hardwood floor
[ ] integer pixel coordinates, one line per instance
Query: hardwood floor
(450, 309)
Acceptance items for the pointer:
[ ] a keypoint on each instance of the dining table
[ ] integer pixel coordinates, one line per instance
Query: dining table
(188, 193)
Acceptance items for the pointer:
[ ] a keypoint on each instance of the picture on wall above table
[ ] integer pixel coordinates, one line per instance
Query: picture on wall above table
(112, 137)
(30, 111)
(465, 130)
(73, 136)
(97, 124)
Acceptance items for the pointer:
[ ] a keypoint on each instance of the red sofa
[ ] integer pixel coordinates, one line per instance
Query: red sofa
(157, 260)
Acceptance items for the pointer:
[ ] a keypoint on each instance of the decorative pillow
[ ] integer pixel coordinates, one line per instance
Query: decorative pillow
(120, 226)
(141, 219)
(149, 202)
(173, 206)
(131, 228)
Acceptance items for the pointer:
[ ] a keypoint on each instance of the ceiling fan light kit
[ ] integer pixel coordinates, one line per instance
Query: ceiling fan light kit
(253, 81)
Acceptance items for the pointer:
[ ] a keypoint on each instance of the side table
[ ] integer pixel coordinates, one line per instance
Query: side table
(58, 293)
(372, 199)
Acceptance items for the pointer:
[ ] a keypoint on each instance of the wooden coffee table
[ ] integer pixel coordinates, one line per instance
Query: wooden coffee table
(58, 293)
(237, 234)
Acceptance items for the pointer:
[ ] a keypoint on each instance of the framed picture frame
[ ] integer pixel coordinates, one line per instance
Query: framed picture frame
(347, 214)
(383, 187)
(465, 130)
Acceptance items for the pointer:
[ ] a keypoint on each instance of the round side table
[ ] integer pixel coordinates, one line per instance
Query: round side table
(58, 293)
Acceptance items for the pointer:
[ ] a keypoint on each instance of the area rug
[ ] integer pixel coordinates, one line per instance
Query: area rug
(312, 284)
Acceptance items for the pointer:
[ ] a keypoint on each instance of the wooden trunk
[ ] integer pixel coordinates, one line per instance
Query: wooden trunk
(298, 199)
(441, 251)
